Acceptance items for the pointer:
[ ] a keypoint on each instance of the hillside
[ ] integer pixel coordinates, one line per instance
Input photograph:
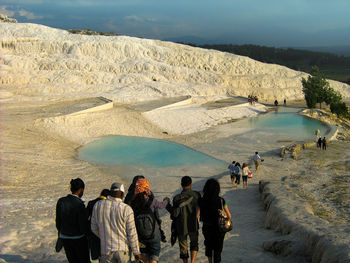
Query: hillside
(333, 66)
(48, 63)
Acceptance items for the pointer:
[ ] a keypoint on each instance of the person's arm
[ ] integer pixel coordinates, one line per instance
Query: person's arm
(131, 232)
(94, 225)
(58, 215)
(227, 211)
(160, 205)
(198, 213)
(83, 219)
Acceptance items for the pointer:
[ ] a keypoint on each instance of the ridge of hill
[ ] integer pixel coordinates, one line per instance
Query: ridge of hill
(333, 66)
(48, 63)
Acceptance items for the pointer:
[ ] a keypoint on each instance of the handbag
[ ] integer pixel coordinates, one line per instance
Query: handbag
(225, 223)
(250, 175)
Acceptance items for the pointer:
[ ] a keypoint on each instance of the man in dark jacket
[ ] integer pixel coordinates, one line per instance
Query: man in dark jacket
(185, 213)
(72, 223)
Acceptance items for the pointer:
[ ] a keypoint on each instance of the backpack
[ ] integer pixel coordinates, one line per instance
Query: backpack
(236, 170)
(145, 223)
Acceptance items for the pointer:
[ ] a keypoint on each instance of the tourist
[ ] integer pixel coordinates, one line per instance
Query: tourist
(231, 167)
(131, 191)
(113, 222)
(72, 223)
(245, 173)
(185, 213)
(317, 134)
(276, 103)
(285, 102)
(94, 241)
(257, 159)
(319, 143)
(131, 195)
(324, 144)
(237, 174)
(209, 205)
(144, 205)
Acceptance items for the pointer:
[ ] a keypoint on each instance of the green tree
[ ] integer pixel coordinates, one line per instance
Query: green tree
(332, 96)
(340, 109)
(315, 88)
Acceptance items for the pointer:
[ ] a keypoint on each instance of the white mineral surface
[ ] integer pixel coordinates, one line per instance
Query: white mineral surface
(160, 90)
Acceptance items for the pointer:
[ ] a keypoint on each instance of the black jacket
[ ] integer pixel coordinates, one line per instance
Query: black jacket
(71, 216)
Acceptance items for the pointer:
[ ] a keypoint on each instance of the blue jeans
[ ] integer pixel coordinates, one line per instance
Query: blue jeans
(152, 249)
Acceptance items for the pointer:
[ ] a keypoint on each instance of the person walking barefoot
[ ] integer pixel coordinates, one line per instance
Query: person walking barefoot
(245, 172)
(257, 159)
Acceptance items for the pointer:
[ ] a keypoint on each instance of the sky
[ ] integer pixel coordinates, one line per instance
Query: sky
(279, 23)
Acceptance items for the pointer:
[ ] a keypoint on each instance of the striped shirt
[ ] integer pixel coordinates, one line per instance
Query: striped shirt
(113, 222)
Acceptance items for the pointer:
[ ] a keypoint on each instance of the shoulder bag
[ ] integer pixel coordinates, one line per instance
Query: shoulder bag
(225, 223)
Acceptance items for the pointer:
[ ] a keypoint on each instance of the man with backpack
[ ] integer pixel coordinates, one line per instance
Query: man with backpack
(113, 222)
(185, 213)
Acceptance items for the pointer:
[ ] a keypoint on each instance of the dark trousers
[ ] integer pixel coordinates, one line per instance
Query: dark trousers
(238, 178)
(213, 242)
(184, 246)
(95, 247)
(77, 250)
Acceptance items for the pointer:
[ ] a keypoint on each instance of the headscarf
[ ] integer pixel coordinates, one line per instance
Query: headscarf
(142, 185)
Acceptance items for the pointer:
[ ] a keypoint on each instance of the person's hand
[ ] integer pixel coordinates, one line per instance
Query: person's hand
(166, 199)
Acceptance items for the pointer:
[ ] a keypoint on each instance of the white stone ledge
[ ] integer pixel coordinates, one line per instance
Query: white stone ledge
(321, 241)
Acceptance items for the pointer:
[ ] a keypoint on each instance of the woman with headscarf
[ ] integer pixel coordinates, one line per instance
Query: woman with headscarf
(144, 205)
(131, 191)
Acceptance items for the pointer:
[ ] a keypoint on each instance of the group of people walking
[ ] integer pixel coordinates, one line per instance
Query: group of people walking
(252, 99)
(114, 229)
(321, 143)
(236, 171)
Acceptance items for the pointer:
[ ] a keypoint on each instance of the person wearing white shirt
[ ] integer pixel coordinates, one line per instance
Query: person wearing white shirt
(257, 159)
(113, 222)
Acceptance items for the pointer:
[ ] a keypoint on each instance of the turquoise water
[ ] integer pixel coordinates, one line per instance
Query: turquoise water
(145, 152)
(286, 122)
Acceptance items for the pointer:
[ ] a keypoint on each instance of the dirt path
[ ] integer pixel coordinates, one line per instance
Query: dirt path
(36, 167)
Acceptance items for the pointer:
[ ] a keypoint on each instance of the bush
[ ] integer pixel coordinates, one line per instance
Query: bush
(340, 109)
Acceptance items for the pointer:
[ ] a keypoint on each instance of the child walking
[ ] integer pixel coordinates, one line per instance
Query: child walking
(245, 172)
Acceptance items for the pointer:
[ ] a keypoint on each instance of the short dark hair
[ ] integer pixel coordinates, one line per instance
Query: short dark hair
(256, 153)
(186, 181)
(76, 184)
(105, 192)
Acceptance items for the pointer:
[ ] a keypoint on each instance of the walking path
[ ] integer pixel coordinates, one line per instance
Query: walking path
(37, 165)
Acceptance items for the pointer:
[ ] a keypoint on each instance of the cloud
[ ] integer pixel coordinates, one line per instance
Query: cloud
(136, 18)
(9, 13)
(21, 2)
(28, 15)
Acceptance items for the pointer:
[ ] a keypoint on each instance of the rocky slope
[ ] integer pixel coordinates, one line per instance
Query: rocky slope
(48, 63)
